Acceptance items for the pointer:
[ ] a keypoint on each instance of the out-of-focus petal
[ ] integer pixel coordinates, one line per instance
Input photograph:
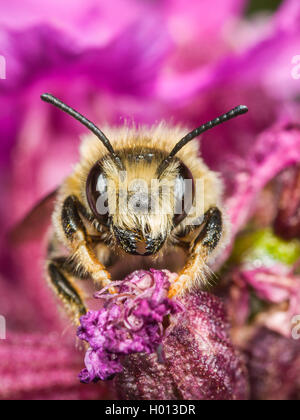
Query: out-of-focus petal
(271, 285)
(259, 75)
(91, 23)
(267, 63)
(274, 366)
(288, 16)
(43, 367)
(193, 24)
(273, 151)
(287, 218)
(43, 59)
(279, 292)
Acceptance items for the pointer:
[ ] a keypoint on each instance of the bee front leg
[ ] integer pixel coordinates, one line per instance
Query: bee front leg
(202, 247)
(66, 290)
(78, 238)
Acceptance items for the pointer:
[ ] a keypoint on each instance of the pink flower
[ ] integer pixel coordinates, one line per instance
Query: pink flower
(145, 61)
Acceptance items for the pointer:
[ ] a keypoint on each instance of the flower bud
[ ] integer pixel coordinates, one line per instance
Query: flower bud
(199, 361)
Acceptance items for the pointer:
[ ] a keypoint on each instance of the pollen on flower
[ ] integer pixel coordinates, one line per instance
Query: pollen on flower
(131, 321)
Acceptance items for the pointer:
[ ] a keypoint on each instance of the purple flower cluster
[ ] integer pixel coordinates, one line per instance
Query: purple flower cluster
(131, 321)
(186, 356)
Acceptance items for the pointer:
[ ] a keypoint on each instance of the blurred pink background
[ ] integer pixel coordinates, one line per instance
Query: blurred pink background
(135, 60)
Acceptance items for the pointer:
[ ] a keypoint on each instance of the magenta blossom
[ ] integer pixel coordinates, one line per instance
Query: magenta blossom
(145, 61)
(131, 321)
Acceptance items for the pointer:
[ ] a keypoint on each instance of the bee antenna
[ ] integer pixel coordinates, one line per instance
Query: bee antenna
(239, 110)
(46, 97)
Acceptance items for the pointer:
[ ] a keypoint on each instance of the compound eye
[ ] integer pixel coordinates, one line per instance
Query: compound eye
(183, 194)
(97, 196)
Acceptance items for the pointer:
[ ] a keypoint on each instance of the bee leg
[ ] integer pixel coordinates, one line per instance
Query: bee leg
(66, 290)
(202, 247)
(75, 232)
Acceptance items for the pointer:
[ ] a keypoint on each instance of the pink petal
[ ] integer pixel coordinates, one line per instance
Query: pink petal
(42, 367)
(274, 366)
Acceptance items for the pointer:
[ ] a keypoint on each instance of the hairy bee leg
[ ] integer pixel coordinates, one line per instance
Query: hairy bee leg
(75, 232)
(204, 244)
(71, 268)
(66, 290)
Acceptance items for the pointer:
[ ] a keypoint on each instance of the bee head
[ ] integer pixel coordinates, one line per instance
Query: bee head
(138, 194)
(140, 208)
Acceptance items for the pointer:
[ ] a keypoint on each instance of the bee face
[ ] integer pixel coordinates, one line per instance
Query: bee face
(139, 207)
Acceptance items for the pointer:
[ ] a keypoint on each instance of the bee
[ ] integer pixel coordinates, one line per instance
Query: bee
(103, 240)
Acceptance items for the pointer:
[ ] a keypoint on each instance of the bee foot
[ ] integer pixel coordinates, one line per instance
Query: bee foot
(102, 278)
(179, 286)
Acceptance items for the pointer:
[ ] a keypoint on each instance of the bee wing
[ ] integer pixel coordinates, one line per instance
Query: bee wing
(36, 222)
